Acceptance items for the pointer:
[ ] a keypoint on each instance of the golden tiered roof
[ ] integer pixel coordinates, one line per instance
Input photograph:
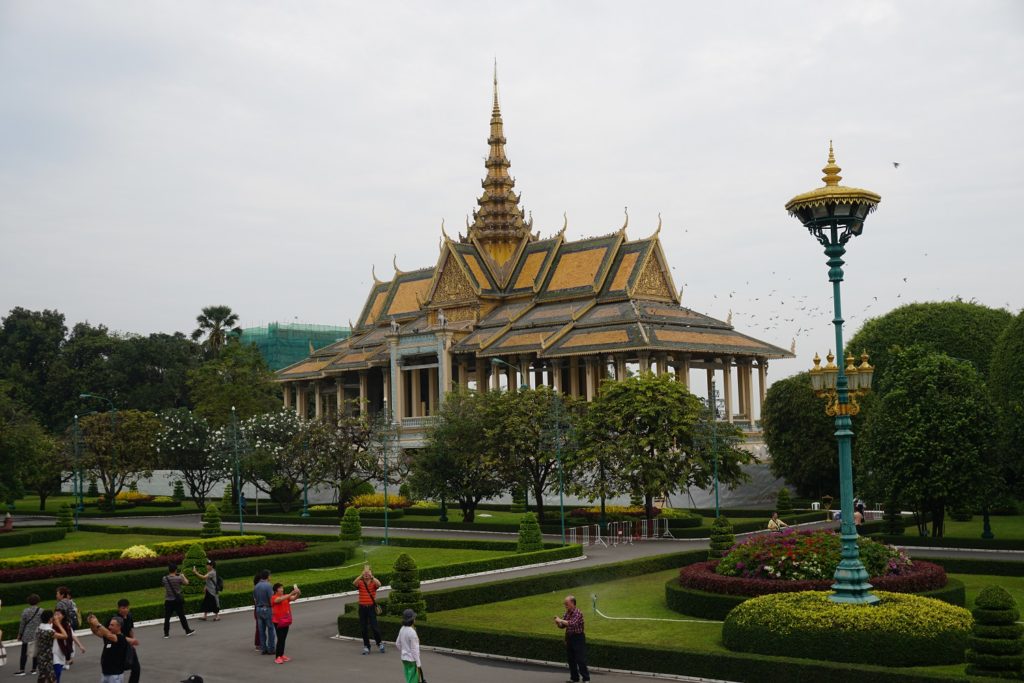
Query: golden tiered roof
(503, 290)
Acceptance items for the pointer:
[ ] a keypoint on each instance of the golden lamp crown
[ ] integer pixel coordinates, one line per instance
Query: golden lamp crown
(825, 382)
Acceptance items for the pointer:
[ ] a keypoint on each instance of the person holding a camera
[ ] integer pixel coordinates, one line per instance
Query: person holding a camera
(174, 599)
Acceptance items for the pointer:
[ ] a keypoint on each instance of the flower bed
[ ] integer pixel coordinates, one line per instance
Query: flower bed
(902, 630)
(612, 513)
(802, 555)
(917, 577)
(51, 571)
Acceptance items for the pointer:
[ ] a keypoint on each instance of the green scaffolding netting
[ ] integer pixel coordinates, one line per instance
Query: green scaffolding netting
(283, 344)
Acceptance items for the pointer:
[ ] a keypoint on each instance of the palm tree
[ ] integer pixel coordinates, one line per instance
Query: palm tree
(216, 322)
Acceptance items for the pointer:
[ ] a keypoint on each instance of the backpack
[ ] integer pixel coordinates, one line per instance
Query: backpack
(73, 616)
(220, 583)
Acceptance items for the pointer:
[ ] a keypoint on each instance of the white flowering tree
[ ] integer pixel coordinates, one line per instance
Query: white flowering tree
(187, 445)
(275, 461)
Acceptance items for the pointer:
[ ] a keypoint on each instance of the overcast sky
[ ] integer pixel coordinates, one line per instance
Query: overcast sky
(156, 157)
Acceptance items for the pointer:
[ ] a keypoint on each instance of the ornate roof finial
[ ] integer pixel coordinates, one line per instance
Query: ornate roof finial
(625, 210)
(656, 232)
(394, 262)
(446, 238)
(831, 170)
(373, 274)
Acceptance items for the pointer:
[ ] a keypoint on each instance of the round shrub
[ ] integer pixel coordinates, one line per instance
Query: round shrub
(901, 630)
(65, 519)
(529, 535)
(995, 647)
(351, 528)
(722, 538)
(211, 522)
(194, 557)
(137, 552)
(796, 555)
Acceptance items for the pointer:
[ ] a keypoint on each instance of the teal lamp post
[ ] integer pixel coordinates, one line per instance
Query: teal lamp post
(238, 477)
(834, 214)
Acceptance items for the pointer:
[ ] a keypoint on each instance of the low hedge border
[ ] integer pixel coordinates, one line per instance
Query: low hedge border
(714, 665)
(929, 542)
(98, 584)
(715, 606)
(32, 535)
(970, 565)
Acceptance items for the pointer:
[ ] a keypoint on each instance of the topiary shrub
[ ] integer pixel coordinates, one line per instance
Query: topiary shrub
(901, 630)
(529, 535)
(226, 499)
(893, 519)
(995, 648)
(351, 529)
(94, 490)
(137, 552)
(65, 519)
(405, 588)
(179, 491)
(405, 492)
(211, 522)
(518, 499)
(195, 557)
(784, 502)
(722, 538)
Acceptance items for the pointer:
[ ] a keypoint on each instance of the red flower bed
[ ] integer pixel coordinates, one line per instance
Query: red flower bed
(919, 577)
(119, 565)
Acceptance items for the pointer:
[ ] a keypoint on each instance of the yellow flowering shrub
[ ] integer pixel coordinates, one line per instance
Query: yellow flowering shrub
(376, 500)
(137, 552)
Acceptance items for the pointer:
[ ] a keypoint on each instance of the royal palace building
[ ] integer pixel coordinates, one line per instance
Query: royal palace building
(504, 308)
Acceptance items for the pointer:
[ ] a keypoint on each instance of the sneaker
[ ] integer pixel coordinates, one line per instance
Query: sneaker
(381, 647)
(166, 635)
(279, 660)
(287, 659)
(366, 651)
(22, 673)
(188, 633)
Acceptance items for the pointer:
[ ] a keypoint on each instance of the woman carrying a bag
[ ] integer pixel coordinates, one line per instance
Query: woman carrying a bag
(211, 591)
(408, 643)
(367, 585)
(281, 615)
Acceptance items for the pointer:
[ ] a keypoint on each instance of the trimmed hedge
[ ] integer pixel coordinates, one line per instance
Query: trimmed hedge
(901, 630)
(969, 565)
(716, 606)
(715, 665)
(30, 536)
(214, 543)
(929, 542)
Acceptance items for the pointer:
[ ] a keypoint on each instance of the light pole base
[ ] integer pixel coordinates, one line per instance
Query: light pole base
(851, 586)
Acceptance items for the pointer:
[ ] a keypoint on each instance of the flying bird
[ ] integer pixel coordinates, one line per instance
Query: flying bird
(895, 164)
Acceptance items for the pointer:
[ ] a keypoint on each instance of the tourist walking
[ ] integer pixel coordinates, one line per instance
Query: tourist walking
(174, 599)
(775, 524)
(281, 615)
(367, 585)
(408, 644)
(50, 656)
(262, 594)
(575, 640)
(211, 592)
(115, 648)
(124, 614)
(255, 616)
(31, 617)
(71, 622)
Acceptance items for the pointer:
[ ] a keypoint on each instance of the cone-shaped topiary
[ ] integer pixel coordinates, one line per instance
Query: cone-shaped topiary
(195, 557)
(995, 647)
(405, 589)
(64, 517)
(351, 528)
(226, 499)
(179, 491)
(783, 502)
(529, 535)
(93, 491)
(894, 525)
(518, 499)
(211, 522)
(722, 538)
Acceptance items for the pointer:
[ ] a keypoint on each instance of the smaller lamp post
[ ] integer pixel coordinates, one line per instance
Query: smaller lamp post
(238, 479)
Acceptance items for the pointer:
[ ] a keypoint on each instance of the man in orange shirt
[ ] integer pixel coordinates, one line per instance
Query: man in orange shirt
(367, 585)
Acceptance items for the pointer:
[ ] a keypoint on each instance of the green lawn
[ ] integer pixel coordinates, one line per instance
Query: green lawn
(87, 540)
(30, 504)
(1009, 527)
(975, 582)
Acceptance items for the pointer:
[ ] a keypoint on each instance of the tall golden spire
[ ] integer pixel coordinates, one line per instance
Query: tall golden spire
(499, 223)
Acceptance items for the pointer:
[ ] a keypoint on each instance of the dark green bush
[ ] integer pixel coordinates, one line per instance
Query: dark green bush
(893, 519)
(31, 536)
(226, 503)
(784, 502)
(351, 529)
(722, 538)
(195, 557)
(93, 491)
(211, 522)
(179, 491)
(529, 534)
(405, 588)
(65, 518)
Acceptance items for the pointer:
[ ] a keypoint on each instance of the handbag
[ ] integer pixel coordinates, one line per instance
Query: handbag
(423, 677)
(376, 607)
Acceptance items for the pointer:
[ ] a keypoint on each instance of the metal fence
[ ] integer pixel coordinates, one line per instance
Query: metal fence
(624, 533)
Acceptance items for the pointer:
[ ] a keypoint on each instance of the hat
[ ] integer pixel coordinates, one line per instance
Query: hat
(408, 616)
(193, 679)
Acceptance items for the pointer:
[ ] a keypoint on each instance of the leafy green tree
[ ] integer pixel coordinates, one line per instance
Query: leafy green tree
(648, 423)
(1006, 382)
(930, 441)
(217, 324)
(185, 444)
(351, 528)
(120, 449)
(48, 465)
(211, 522)
(405, 588)
(800, 437)
(30, 346)
(151, 372)
(525, 429)
(237, 377)
(25, 448)
(344, 452)
(967, 331)
(458, 462)
(530, 538)
(275, 460)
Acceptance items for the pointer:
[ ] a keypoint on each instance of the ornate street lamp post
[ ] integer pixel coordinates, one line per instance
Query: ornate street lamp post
(834, 214)
(238, 478)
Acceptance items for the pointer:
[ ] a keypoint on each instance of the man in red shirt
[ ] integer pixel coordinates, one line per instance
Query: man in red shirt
(367, 585)
(575, 640)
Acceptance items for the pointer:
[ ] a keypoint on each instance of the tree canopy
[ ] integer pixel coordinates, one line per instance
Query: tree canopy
(120, 448)
(345, 452)
(1006, 382)
(238, 377)
(217, 324)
